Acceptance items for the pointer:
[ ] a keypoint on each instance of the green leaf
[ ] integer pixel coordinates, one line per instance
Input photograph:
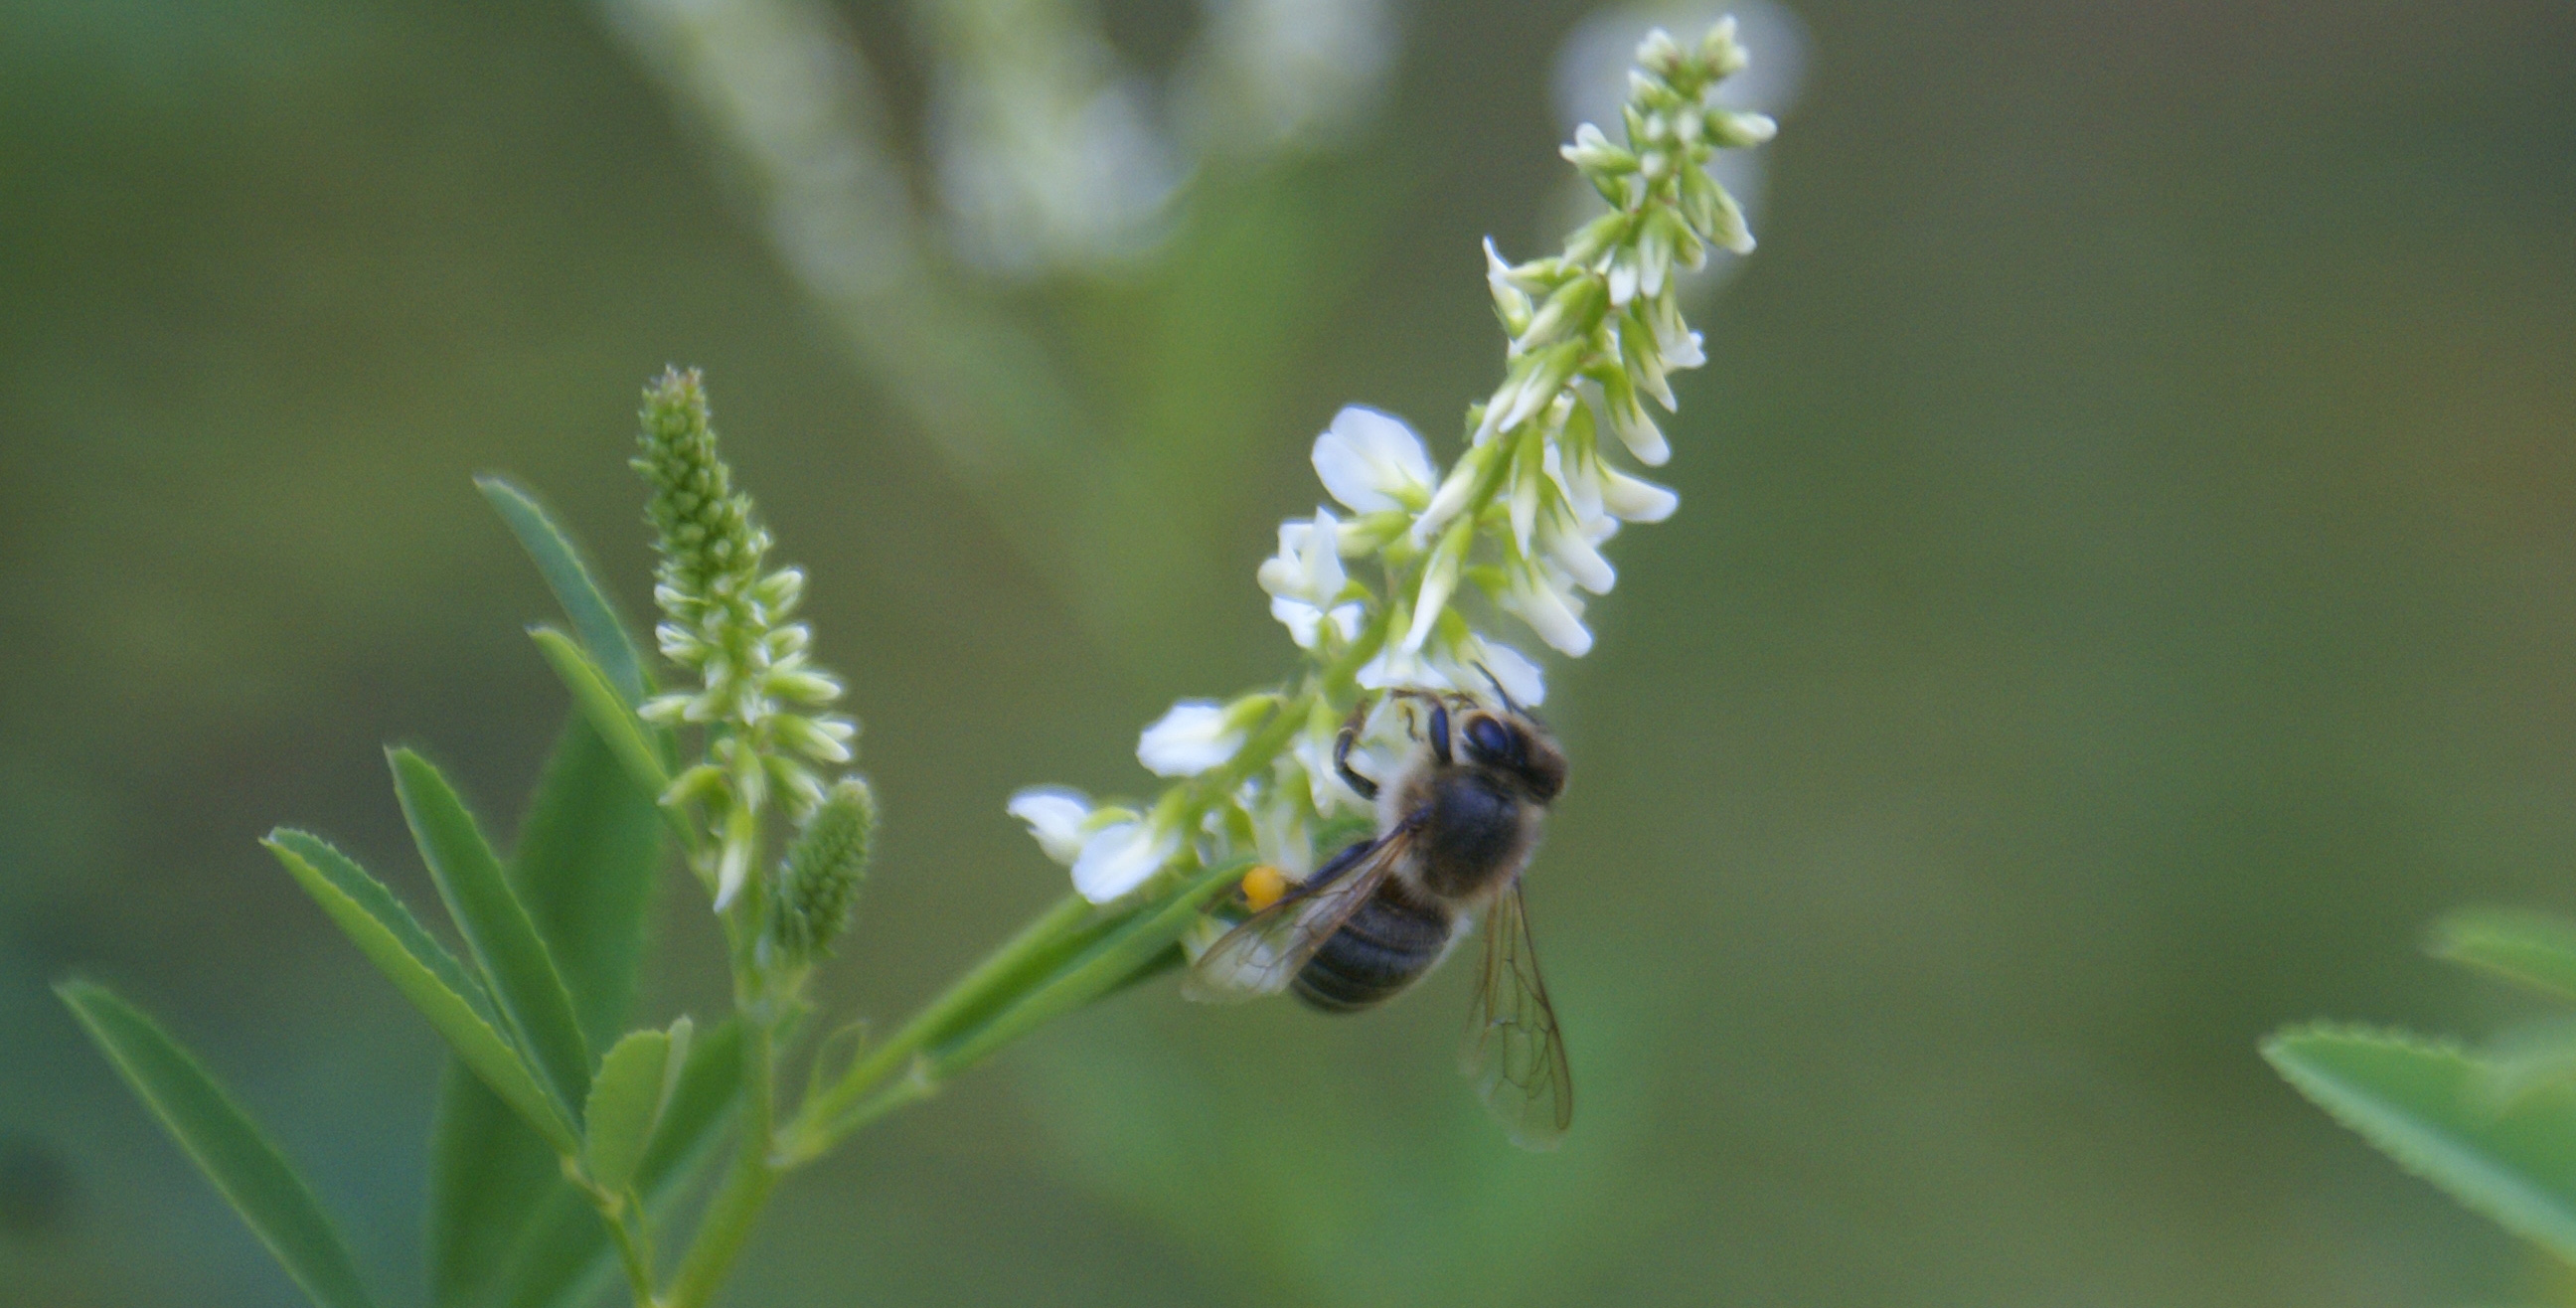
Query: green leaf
(2534, 949)
(588, 850)
(526, 988)
(2427, 1106)
(430, 977)
(603, 632)
(589, 853)
(226, 1145)
(2526, 1059)
(612, 717)
(489, 1173)
(625, 1102)
(564, 1257)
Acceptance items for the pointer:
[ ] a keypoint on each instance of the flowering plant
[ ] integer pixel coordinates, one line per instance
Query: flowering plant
(564, 1140)
(1518, 521)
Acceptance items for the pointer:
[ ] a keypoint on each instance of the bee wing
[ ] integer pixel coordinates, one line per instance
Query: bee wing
(1514, 1053)
(1261, 956)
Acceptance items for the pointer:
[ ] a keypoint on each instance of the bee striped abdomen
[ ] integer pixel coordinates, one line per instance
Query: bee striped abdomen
(1387, 945)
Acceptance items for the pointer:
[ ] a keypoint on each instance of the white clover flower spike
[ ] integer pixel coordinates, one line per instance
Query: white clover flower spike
(1384, 596)
(1372, 462)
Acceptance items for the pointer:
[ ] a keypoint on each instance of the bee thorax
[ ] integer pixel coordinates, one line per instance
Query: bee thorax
(1475, 833)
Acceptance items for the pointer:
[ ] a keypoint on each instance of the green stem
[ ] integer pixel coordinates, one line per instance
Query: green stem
(908, 1090)
(990, 981)
(634, 1249)
(726, 1225)
(1002, 978)
(729, 1217)
(1095, 970)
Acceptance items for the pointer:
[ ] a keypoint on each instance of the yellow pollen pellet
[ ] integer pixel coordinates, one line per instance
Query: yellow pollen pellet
(1263, 885)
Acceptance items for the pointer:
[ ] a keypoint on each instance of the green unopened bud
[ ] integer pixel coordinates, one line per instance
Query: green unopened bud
(705, 526)
(1597, 238)
(1575, 309)
(825, 867)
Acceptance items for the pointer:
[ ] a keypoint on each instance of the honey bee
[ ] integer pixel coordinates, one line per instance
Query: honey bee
(1456, 824)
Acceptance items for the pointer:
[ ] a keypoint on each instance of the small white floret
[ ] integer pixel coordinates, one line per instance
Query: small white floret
(1371, 461)
(1193, 736)
(1119, 857)
(1056, 817)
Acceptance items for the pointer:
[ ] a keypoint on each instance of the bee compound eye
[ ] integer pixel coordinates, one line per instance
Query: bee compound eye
(1490, 739)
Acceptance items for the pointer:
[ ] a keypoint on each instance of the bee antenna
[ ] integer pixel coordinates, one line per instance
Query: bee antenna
(1497, 683)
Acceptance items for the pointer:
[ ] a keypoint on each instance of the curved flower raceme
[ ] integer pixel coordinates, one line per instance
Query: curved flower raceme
(1389, 596)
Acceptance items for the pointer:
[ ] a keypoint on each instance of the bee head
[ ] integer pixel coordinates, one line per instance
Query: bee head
(1516, 746)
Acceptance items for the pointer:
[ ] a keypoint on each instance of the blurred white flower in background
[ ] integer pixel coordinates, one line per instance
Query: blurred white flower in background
(1043, 151)
(1047, 154)
(1591, 80)
(1298, 75)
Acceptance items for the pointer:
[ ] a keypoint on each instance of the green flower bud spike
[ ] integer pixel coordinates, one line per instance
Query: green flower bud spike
(825, 868)
(728, 619)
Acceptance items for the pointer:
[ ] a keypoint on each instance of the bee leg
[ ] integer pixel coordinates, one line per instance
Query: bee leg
(1342, 743)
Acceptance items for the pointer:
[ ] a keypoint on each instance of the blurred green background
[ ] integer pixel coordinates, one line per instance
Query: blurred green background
(2125, 585)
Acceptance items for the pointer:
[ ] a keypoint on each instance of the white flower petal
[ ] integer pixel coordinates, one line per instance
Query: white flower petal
(1637, 430)
(1550, 607)
(1190, 738)
(1371, 461)
(1280, 834)
(1571, 549)
(1301, 618)
(1439, 578)
(1314, 755)
(1511, 304)
(733, 868)
(1347, 619)
(1519, 678)
(1055, 816)
(1308, 566)
(1636, 500)
(1577, 479)
(1398, 666)
(1674, 339)
(1119, 857)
